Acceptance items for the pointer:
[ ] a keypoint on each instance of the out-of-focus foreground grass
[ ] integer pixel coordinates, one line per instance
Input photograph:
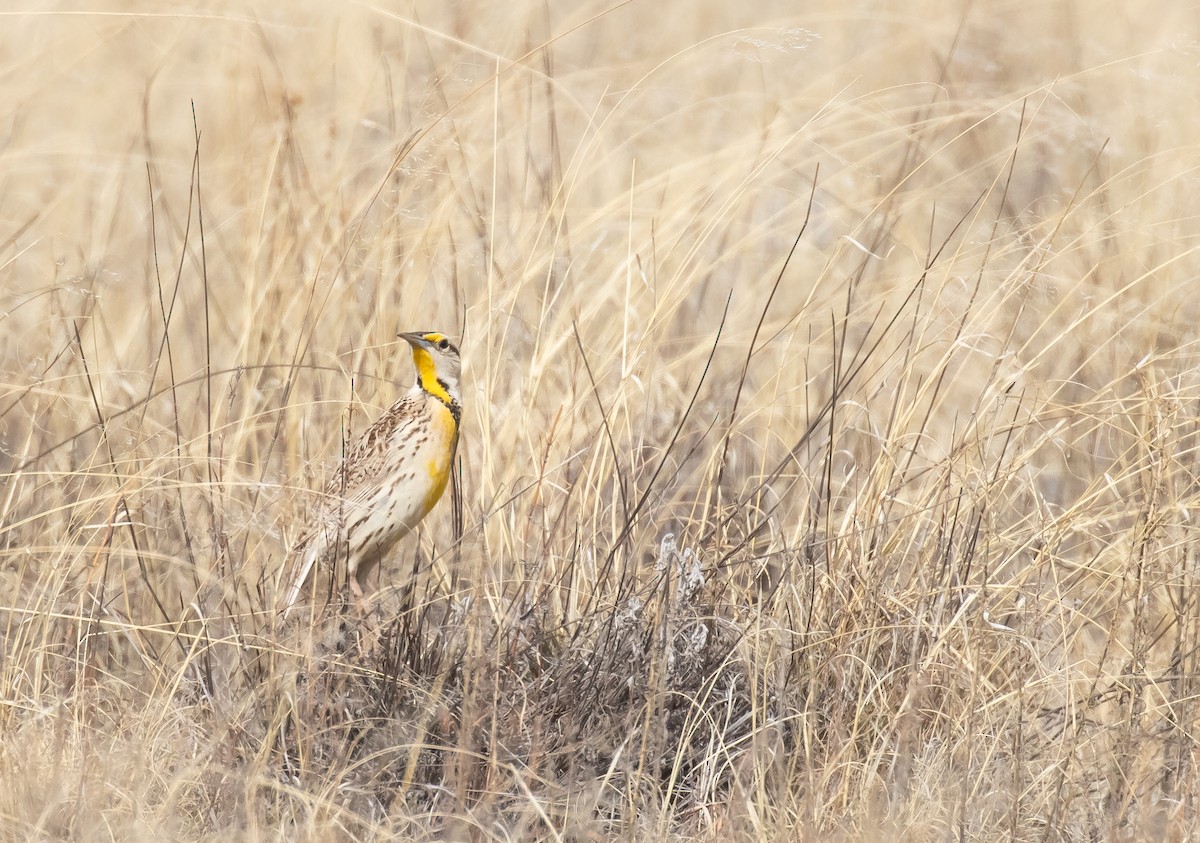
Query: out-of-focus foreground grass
(889, 536)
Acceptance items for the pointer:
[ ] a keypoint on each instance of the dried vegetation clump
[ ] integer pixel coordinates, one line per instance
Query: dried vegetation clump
(827, 467)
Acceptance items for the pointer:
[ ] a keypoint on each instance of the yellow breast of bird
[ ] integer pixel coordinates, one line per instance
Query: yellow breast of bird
(438, 456)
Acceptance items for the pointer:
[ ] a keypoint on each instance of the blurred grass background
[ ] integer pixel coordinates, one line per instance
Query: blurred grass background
(888, 536)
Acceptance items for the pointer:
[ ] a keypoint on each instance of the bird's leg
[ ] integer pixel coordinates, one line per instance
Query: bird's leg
(360, 599)
(367, 632)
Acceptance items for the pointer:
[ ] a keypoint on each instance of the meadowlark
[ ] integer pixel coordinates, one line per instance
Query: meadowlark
(392, 476)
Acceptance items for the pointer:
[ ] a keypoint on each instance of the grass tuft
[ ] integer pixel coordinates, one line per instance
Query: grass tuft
(830, 404)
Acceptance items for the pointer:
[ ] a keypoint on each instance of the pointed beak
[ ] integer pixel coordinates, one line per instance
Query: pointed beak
(415, 340)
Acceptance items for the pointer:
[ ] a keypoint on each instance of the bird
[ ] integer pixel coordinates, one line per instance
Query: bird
(391, 477)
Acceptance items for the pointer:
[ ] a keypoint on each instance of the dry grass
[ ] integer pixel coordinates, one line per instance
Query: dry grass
(889, 537)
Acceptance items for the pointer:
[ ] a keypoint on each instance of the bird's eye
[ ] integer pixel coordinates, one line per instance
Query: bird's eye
(443, 343)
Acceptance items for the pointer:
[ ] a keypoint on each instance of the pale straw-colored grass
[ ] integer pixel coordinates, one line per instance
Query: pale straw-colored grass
(886, 537)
